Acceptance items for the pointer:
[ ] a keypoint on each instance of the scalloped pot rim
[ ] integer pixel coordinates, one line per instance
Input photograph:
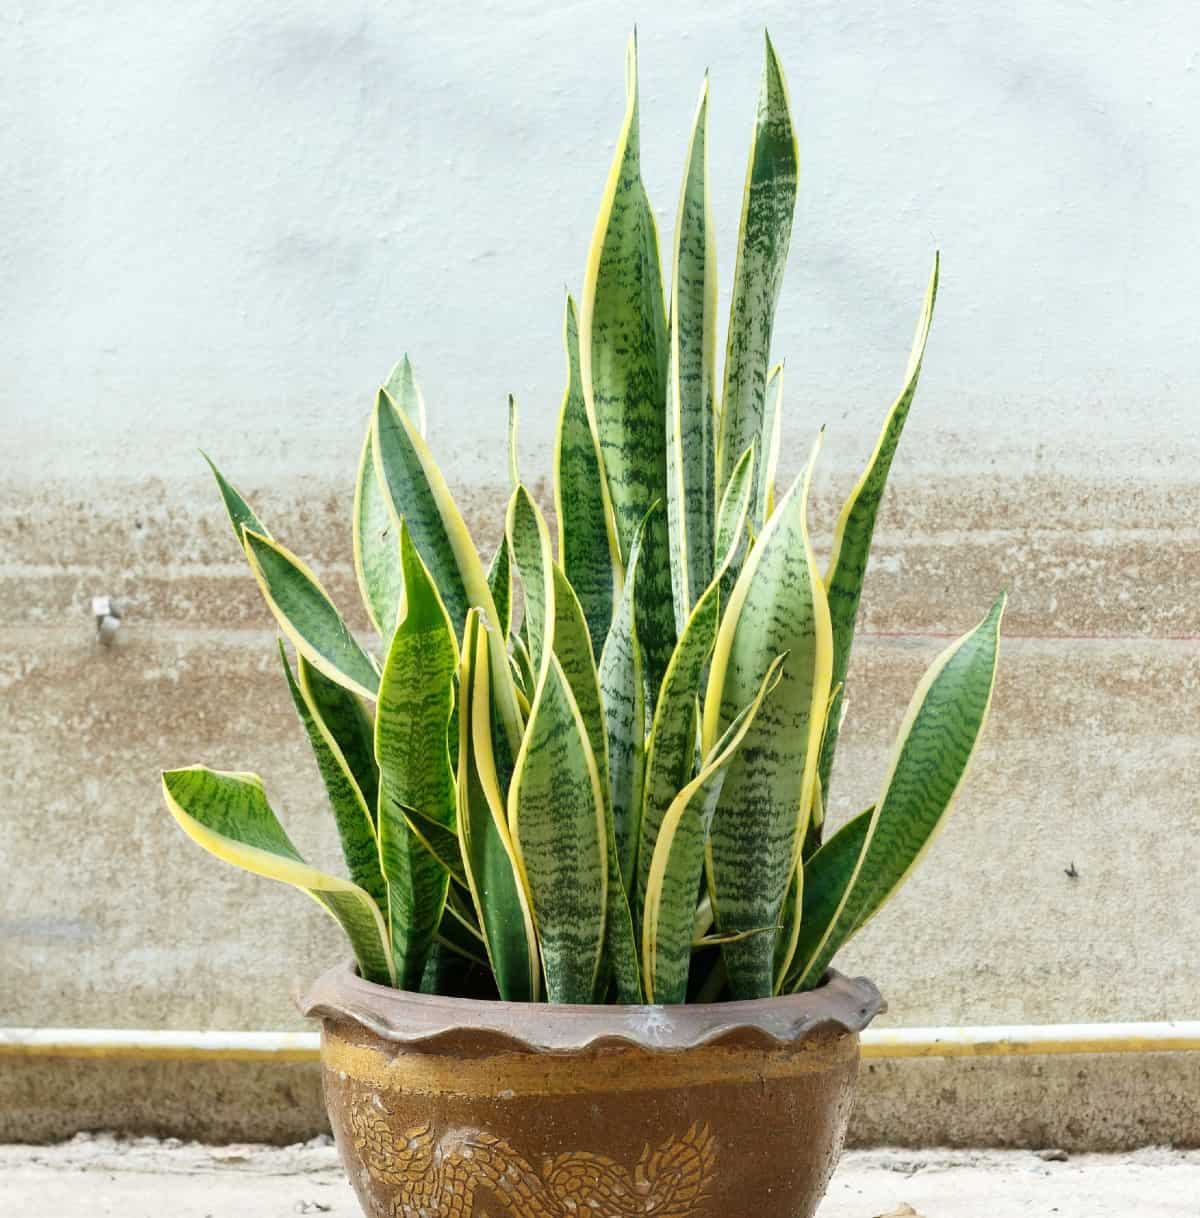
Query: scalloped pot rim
(839, 1006)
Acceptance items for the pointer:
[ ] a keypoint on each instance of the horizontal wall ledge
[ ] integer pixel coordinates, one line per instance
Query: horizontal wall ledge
(1004, 1040)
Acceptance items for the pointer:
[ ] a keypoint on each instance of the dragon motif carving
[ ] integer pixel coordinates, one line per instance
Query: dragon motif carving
(458, 1173)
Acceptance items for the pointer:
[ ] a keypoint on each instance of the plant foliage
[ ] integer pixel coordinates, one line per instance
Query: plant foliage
(620, 796)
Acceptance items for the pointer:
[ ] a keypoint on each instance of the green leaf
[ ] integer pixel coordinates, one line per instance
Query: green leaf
(826, 877)
(439, 841)
(671, 748)
(416, 696)
(417, 492)
(529, 541)
(556, 812)
(229, 816)
(674, 874)
(572, 646)
(936, 742)
(581, 502)
(500, 584)
(856, 527)
(348, 727)
(623, 362)
(733, 515)
(241, 514)
(402, 388)
(768, 204)
(355, 823)
(307, 616)
(493, 874)
(623, 691)
(376, 553)
(772, 430)
(691, 380)
(777, 607)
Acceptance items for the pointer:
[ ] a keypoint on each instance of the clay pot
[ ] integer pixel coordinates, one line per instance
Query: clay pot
(454, 1108)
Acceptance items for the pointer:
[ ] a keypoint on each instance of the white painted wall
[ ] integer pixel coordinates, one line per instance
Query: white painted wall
(224, 219)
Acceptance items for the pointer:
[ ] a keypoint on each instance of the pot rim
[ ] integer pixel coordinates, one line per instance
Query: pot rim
(839, 1006)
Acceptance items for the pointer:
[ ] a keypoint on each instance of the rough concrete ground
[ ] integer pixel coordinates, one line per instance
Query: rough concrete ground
(96, 1175)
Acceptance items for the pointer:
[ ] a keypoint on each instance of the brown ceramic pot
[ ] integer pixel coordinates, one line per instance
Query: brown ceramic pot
(454, 1108)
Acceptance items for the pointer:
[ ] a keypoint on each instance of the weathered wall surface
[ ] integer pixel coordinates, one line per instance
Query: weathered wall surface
(221, 230)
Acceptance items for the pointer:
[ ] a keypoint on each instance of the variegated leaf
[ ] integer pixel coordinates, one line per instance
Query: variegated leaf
(416, 695)
(581, 502)
(556, 811)
(403, 389)
(671, 747)
(572, 646)
(623, 691)
(691, 380)
(777, 607)
(501, 586)
(418, 492)
(936, 742)
(678, 862)
(826, 877)
(229, 816)
(493, 873)
(768, 204)
(623, 354)
(241, 514)
(354, 817)
(772, 430)
(307, 616)
(529, 542)
(376, 552)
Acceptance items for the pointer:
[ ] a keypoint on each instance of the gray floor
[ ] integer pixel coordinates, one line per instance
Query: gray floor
(93, 1176)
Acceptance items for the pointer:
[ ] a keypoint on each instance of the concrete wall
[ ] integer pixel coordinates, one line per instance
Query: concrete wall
(221, 228)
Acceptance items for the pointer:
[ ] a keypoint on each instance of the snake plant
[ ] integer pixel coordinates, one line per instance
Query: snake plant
(618, 792)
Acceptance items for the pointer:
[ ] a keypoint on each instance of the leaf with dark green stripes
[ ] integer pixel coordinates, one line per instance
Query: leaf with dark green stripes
(768, 204)
(440, 841)
(353, 816)
(229, 816)
(669, 912)
(241, 514)
(671, 746)
(556, 811)
(347, 725)
(733, 522)
(416, 695)
(691, 380)
(376, 552)
(572, 646)
(623, 353)
(856, 527)
(623, 691)
(493, 874)
(417, 491)
(500, 584)
(826, 877)
(403, 389)
(581, 502)
(529, 542)
(777, 607)
(772, 431)
(936, 742)
(307, 616)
